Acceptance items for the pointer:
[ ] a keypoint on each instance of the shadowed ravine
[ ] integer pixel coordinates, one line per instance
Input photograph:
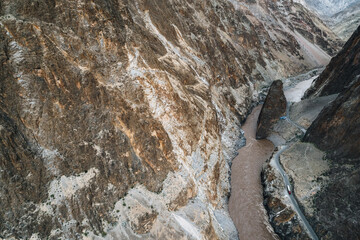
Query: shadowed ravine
(246, 201)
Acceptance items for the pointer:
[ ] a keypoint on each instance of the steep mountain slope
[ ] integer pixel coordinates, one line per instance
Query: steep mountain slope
(336, 132)
(342, 16)
(344, 23)
(342, 71)
(120, 118)
(327, 8)
(336, 129)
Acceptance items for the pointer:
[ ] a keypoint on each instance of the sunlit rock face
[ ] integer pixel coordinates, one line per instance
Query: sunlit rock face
(120, 118)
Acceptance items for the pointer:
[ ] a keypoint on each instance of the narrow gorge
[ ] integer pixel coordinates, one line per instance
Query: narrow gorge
(137, 119)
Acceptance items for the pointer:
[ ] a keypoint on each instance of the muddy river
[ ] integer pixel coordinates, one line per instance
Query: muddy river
(246, 202)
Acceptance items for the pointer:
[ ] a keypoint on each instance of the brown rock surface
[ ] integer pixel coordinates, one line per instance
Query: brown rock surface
(274, 107)
(117, 120)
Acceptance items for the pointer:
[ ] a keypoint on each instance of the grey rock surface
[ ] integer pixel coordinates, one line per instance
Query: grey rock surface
(273, 108)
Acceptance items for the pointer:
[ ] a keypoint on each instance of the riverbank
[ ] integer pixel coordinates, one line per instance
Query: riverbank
(294, 164)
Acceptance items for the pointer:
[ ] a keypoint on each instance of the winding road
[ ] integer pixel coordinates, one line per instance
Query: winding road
(287, 182)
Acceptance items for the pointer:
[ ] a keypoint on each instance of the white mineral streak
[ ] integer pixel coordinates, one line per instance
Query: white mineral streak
(196, 161)
(51, 157)
(188, 227)
(66, 187)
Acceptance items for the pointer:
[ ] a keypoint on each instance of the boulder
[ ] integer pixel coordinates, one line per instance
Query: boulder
(274, 107)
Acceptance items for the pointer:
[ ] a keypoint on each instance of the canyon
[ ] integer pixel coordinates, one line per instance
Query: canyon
(122, 119)
(323, 163)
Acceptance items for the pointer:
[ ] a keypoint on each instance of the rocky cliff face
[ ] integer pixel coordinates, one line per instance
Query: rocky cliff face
(336, 128)
(120, 118)
(336, 132)
(341, 72)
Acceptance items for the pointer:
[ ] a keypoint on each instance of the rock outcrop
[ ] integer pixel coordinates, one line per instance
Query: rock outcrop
(120, 118)
(274, 107)
(336, 129)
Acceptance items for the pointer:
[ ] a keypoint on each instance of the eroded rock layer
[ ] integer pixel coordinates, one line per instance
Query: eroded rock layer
(120, 118)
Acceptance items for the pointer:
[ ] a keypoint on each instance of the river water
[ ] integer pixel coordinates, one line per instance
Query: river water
(246, 201)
